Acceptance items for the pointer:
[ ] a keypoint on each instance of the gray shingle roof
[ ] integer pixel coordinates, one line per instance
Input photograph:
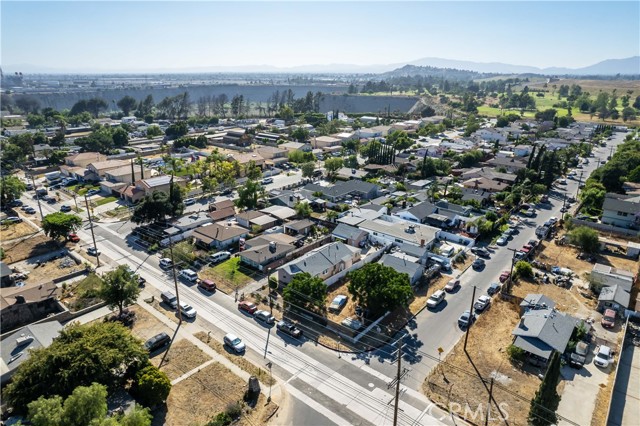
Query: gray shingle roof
(347, 232)
(537, 301)
(615, 293)
(422, 210)
(319, 260)
(402, 266)
(622, 203)
(549, 326)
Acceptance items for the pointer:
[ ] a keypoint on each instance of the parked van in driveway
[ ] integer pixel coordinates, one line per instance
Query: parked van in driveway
(219, 257)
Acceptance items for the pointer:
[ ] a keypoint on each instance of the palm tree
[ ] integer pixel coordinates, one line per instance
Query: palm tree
(332, 215)
(433, 190)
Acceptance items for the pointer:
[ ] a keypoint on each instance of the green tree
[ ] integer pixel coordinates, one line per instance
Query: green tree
(85, 404)
(306, 292)
(585, 238)
(303, 209)
(332, 165)
(136, 417)
(11, 188)
(380, 288)
(127, 104)
(104, 352)
(307, 169)
(120, 137)
(177, 130)
(523, 269)
(248, 195)
(119, 288)
(60, 224)
(252, 171)
(546, 401)
(153, 208)
(153, 131)
(45, 411)
(628, 113)
(300, 134)
(151, 386)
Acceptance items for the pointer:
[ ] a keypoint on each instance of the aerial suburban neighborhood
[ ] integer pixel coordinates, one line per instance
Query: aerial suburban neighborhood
(436, 243)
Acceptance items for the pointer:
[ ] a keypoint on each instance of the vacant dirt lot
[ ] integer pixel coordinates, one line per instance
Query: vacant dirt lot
(457, 379)
(181, 357)
(246, 365)
(349, 308)
(16, 230)
(423, 292)
(572, 301)
(36, 245)
(53, 269)
(146, 325)
(209, 392)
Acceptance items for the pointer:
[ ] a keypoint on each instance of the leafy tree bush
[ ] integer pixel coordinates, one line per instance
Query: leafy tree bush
(380, 288)
(151, 386)
(523, 269)
(515, 353)
(306, 292)
(11, 188)
(60, 224)
(585, 238)
(546, 401)
(119, 288)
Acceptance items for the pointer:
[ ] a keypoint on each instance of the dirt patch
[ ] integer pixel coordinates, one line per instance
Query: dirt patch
(167, 312)
(424, 291)
(37, 245)
(349, 309)
(602, 400)
(246, 365)
(53, 269)
(180, 358)
(16, 230)
(572, 301)
(458, 379)
(146, 325)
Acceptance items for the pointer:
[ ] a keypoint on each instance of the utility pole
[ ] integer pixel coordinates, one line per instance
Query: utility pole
(269, 365)
(466, 334)
(398, 377)
(175, 281)
(486, 419)
(37, 197)
(579, 182)
(93, 236)
(513, 258)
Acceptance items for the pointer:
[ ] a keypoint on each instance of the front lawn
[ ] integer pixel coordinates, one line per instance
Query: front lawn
(105, 200)
(229, 275)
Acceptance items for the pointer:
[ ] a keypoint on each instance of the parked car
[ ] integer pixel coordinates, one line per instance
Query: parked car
(188, 275)
(51, 200)
(466, 319)
(141, 281)
(92, 192)
(11, 219)
(482, 303)
(30, 210)
(608, 318)
(92, 251)
(207, 285)
(73, 238)
(156, 342)
(338, 303)
(478, 264)
(169, 298)
(187, 310)
(15, 203)
(502, 241)
(579, 355)
(65, 208)
(264, 316)
(266, 181)
(219, 256)
(247, 307)
(189, 201)
(166, 263)
(494, 288)
(435, 299)
(480, 251)
(288, 328)
(452, 284)
(603, 358)
(504, 276)
(234, 342)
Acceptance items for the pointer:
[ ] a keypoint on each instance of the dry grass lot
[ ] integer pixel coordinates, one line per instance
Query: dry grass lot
(36, 245)
(146, 325)
(423, 292)
(181, 357)
(571, 300)
(195, 400)
(246, 365)
(349, 308)
(52, 269)
(458, 379)
(16, 230)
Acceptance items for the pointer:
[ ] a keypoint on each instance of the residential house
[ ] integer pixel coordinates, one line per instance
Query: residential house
(420, 185)
(83, 159)
(511, 165)
(15, 348)
(260, 252)
(417, 213)
(269, 137)
(20, 306)
(484, 184)
(541, 332)
(299, 227)
(621, 210)
(134, 193)
(413, 270)
(616, 285)
(417, 254)
(187, 222)
(222, 210)
(606, 275)
(536, 301)
(244, 159)
(385, 230)
(5, 275)
(251, 218)
(345, 136)
(373, 132)
(285, 197)
(350, 235)
(237, 137)
(273, 155)
(436, 119)
(491, 135)
(98, 170)
(281, 213)
(218, 236)
(294, 146)
(368, 119)
(615, 297)
(323, 262)
(325, 142)
(342, 190)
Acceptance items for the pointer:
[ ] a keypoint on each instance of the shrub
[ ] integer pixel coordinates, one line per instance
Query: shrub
(524, 269)
(234, 409)
(515, 353)
(222, 419)
(152, 386)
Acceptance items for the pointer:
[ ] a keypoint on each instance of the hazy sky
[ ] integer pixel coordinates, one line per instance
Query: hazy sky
(131, 36)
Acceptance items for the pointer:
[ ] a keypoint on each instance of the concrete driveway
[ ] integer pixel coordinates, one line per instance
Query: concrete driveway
(580, 391)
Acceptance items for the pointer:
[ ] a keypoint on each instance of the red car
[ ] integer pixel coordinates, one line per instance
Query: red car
(504, 276)
(247, 307)
(74, 238)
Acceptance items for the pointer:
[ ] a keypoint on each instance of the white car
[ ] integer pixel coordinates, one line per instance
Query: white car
(603, 357)
(502, 241)
(482, 303)
(187, 310)
(234, 342)
(435, 299)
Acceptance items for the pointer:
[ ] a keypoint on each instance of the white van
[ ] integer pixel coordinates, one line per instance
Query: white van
(165, 263)
(188, 275)
(219, 257)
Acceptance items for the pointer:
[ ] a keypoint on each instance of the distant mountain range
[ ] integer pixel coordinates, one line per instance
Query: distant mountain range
(625, 66)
